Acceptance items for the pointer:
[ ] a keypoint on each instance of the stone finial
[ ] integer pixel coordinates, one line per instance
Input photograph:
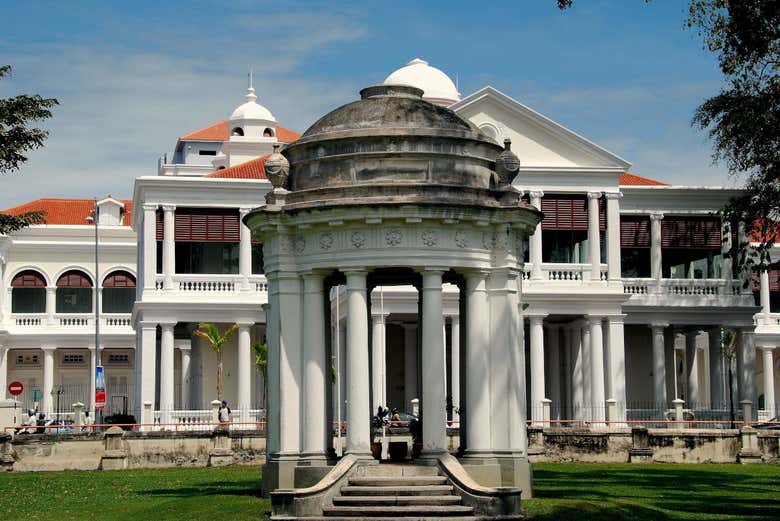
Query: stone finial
(277, 168)
(507, 163)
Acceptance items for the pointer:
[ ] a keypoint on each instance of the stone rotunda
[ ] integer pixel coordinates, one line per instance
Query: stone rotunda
(394, 190)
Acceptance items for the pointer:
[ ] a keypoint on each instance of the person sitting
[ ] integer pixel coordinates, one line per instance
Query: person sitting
(41, 424)
(395, 417)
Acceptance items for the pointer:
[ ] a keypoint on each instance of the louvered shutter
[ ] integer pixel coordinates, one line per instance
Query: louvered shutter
(634, 232)
(201, 225)
(569, 212)
(691, 232)
(74, 279)
(28, 279)
(119, 279)
(159, 226)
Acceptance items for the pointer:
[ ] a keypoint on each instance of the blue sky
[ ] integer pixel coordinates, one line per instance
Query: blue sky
(133, 76)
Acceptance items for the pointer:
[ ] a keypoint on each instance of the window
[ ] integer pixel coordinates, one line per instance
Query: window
(207, 152)
(207, 257)
(27, 359)
(635, 246)
(118, 292)
(73, 359)
(238, 131)
(28, 293)
(691, 247)
(268, 132)
(207, 240)
(565, 229)
(118, 359)
(74, 293)
(257, 258)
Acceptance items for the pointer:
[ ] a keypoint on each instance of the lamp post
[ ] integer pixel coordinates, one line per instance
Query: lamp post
(94, 217)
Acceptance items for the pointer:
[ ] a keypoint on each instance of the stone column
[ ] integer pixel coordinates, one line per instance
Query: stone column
(692, 369)
(290, 363)
(378, 377)
(244, 372)
(554, 359)
(535, 241)
(185, 350)
(656, 272)
(3, 372)
(455, 365)
(166, 371)
(659, 364)
(594, 237)
(48, 380)
(169, 246)
(410, 365)
(244, 250)
(587, 376)
(617, 363)
(315, 433)
(477, 364)
(358, 404)
(51, 304)
(597, 369)
(537, 366)
(433, 365)
(746, 366)
(613, 236)
(145, 364)
(717, 391)
(577, 385)
(769, 381)
(149, 266)
(765, 308)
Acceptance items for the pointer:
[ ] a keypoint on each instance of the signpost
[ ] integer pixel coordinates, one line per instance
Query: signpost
(15, 388)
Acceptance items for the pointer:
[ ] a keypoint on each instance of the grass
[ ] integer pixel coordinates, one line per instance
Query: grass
(563, 491)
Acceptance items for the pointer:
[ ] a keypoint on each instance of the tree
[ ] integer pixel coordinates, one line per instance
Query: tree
(261, 365)
(743, 119)
(216, 340)
(17, 137)
(728, 349)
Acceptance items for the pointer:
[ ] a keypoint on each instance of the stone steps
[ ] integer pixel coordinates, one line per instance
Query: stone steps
(396, 490)
(395, 500)
(405, 481)
(425, 511)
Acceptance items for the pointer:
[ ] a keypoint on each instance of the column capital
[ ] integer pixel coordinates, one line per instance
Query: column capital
(150, 207)
(168, 324)
(658, 326)
(147, 324)
(616, 318)
(243, 211)
(535, 319)
(48, 349)
(245, 323)
(594, 195)
(767, 348)
(656, 216)
(613, 195)
(169, 207)
(594, 319)
(536, 194)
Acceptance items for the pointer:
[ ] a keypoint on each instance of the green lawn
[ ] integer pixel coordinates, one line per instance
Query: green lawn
(564, 491)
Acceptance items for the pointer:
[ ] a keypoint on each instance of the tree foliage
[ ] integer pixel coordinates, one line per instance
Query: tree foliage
(261, 365)
(216, 340)
(17, 137)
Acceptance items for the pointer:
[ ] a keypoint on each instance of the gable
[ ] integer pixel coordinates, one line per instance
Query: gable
(537, 140)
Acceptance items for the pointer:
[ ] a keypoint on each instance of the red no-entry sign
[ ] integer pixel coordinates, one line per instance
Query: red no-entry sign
(15, 388)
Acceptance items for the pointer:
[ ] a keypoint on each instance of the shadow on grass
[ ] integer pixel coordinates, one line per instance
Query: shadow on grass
(234, 488)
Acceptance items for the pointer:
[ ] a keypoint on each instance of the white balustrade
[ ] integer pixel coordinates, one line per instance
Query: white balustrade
(117, 320)
(706, 287)
(637, 286)
(74, 320)
(30, 320)
(211, 283)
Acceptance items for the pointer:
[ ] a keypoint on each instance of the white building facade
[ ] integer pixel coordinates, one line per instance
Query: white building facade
(626, 285)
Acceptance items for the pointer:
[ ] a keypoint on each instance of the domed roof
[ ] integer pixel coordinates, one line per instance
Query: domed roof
(251, 109)
(437, 87)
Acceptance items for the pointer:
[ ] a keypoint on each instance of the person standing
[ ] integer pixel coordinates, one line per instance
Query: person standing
(224, 415)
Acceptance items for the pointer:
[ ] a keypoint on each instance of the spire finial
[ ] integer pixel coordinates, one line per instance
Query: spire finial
(250, 91)
(251, 78)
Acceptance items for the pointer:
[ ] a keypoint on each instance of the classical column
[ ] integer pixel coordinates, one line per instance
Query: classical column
(617, 362)
(554, 372)
(613, 235)
(567, 379)
(587, 377)
(244, 372)
(51, 304)
(433, 365)
(535, 241)
(145, 365)
(410, 365)
(166, 371)
(169, 246)
(378, 377)
(3, 372)
(315, 434)
(765, 307)
(769, 381)
(358, 404)
(455, 365)
(185, 349)
(244, 250)
(598, 399)
(149, 237)
(717, 394)
(594, 237)
(655, 247)
(536, 325)
(746, 366)
(477, 364)
(659, 364)
(577, 379)
(343, 368)
(692, 369)
(290, 363)
(48, 379)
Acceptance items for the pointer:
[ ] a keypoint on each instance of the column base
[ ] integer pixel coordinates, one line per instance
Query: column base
(294, 471)
(491, 468)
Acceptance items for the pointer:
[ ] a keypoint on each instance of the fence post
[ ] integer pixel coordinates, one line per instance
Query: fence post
(749, 452)
(215, 412)
(147, 416)
(678, 413)
(546, 402)
(611, 413)
(747, 411)
(78, 413)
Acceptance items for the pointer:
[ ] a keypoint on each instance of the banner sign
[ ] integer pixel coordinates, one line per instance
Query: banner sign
(100, 388)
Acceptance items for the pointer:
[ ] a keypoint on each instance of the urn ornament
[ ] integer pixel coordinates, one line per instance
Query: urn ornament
(277, 168)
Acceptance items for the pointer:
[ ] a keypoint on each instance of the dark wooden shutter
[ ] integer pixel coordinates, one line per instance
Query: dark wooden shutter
(159, 225)
(74, 279)
(569, 212)
(634, 231)
(207, 224)
(28, 279)
(119, 279)
(691, 232)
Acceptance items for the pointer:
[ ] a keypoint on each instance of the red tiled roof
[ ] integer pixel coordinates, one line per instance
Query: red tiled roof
(66, 211)
(253, 169)
(219, 132)
(627, 179)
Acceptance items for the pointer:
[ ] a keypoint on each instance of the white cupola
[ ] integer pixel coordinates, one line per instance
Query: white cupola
(437, 87)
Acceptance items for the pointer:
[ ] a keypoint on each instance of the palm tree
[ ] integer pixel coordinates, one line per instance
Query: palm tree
(261, 364)
(216, 340)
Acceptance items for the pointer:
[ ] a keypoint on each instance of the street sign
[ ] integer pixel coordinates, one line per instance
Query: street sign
(15, 388)
(100, 388)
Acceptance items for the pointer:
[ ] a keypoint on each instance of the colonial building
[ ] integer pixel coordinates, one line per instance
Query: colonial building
(625, 284)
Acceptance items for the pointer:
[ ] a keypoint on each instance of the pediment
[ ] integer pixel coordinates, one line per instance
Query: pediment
(536, 139)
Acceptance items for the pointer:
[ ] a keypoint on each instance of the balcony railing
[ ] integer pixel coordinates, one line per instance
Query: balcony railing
(70, 320)
(683, 287)
(565, 272)
(212, 283)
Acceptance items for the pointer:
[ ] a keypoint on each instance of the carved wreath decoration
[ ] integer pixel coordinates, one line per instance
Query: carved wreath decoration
(429, 238)
(326, 240)
(358, 239)
(393, 237)
(461, 239)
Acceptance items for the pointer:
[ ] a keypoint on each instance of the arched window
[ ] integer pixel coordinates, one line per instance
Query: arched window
(118, 292)
(268, 132)
(238, 131)
(74, 293)
(28, 294)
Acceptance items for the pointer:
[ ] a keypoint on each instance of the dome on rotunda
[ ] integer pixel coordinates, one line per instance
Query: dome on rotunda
(437, 87)
(251, 109)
